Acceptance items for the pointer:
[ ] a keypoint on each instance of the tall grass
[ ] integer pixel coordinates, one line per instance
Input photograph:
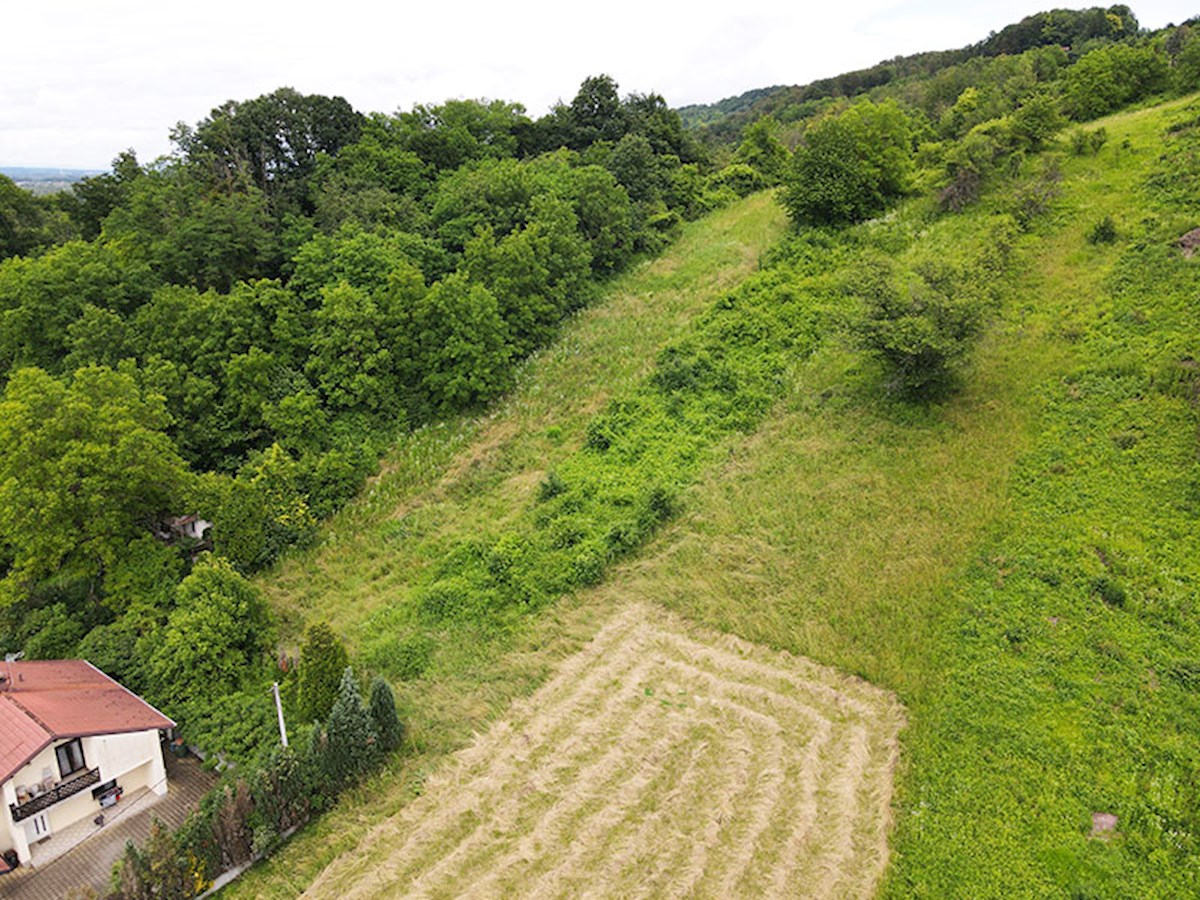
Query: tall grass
(1019, 561)
(444, 483)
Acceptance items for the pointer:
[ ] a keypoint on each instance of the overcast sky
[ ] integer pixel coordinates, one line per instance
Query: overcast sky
(81, 80)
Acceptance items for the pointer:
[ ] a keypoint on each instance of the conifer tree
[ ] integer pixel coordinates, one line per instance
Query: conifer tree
(352, 746)
(322, 661)
(382, 707)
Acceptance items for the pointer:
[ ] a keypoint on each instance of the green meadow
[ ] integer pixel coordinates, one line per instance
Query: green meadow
(1017, 559)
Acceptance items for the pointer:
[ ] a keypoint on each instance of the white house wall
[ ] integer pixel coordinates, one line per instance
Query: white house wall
(8, 837)
(117, 754)
(134, 760)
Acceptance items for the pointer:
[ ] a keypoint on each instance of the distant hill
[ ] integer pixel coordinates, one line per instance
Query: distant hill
(45, 180)
(1073, 30)
(703, 113)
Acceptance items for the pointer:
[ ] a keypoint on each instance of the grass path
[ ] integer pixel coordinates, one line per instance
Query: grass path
(453, 480)
(449, 481)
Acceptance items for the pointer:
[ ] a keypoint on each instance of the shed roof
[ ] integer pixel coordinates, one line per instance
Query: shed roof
(42, 701)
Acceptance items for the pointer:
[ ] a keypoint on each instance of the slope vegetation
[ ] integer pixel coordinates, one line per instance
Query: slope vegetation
(1016, 563)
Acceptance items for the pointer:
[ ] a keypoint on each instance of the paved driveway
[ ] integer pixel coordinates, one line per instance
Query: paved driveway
(89, 863)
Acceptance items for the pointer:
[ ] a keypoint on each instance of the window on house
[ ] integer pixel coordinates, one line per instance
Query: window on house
(70, 758)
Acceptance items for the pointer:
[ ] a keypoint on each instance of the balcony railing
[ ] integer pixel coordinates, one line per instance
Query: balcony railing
(60, 791)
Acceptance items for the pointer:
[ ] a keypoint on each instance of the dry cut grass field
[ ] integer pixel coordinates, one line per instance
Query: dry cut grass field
(659, 761)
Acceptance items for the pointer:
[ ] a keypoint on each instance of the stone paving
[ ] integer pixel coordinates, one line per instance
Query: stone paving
(88, 863)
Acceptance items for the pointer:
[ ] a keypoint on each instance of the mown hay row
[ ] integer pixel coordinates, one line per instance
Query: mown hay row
(660, 761)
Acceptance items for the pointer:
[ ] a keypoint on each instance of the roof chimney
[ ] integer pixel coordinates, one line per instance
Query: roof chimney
(7, 680)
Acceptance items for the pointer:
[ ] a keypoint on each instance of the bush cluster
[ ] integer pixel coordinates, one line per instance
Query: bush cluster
(249, 815)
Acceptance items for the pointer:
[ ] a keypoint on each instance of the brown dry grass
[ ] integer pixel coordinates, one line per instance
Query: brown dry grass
(660, 760)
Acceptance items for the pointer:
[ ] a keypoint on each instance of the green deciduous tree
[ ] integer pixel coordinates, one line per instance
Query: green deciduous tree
(495, 193)
(367, 259)
(92, 199)
(634, 164)
(537, 273)
(596, 113)
(259, 513)
(1107, 78)
(465, 352)
(762, 150)
(1037, 120)
(215, 637)
(455, 132)
(23, 220)
(1187, 62)
(207, 354)
(604, 215)
(272, 142)
(190, 232)
(40, 298)
(85, 469)
(352, 362)
(850, 165)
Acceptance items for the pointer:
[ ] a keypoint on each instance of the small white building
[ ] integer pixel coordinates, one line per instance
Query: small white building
(192, 528)
(72, 742)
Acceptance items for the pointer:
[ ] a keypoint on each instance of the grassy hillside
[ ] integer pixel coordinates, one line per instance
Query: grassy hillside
(442, 485)
(472, 475)
(1018, 562)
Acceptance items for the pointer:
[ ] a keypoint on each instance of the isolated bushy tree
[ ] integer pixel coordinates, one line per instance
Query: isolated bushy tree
(850, 165)
(351, 743)
(382, 708)
(828, 184)
(323, 659)
(919, 327)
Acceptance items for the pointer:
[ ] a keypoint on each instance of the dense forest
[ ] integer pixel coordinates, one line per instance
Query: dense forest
(235, 334)
(236, 331)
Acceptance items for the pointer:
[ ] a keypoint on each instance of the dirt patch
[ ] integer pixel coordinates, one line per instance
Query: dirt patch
(1104, 825)
(483, 451)
(1189, 243)
(659, 761)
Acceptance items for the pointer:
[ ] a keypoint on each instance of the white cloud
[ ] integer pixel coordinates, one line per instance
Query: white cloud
(81, 81)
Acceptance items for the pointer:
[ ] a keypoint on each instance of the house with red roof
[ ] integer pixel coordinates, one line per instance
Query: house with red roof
(72, 742)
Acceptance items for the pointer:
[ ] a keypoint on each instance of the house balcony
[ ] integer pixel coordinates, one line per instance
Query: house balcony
(59, 792)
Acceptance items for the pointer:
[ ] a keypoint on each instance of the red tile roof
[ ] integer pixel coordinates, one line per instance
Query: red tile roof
(50, 700)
